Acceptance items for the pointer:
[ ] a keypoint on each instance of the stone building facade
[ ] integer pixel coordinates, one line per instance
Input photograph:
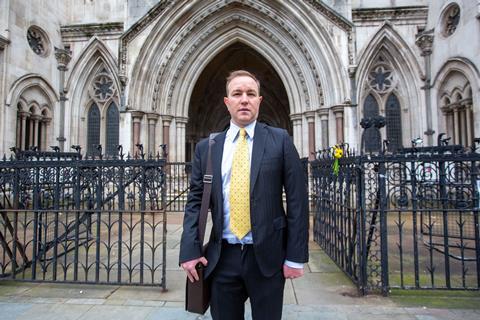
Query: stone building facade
(110, 72)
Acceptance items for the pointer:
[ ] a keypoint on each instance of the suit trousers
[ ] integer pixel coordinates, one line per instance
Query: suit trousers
(237, 277)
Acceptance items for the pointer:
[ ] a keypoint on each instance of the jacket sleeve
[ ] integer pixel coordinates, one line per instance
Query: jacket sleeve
(190, 247)
(295, 184)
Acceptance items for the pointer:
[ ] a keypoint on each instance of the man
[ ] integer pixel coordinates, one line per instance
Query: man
(254, 246)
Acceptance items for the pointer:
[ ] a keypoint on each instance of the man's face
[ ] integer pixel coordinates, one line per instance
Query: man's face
(243, 100)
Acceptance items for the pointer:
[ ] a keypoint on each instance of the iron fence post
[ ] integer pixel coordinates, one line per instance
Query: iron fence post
(413, 177)
(382, 172)
(36, 225)
(143, 196)
(77, 191)
(361, 227)
(56, 207)
(444, 201)
(164, 234)
(15, 207)
(97, 210)
(121, 209)
(476, 203)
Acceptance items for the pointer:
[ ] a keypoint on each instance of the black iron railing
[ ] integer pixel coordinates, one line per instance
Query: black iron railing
(68, 219)
(177, 185)
(404, 220)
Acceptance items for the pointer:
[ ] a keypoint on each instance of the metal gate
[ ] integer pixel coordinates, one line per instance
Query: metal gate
(94, 220)
(404, 220)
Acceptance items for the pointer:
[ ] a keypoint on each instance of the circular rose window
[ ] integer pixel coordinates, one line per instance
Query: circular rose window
(38, 41)
(450, 20)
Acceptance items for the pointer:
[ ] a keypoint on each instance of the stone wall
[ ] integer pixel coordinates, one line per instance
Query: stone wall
(94, 11)
(21, 60)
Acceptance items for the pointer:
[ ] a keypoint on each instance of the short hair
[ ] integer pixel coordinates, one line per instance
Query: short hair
(241, 73)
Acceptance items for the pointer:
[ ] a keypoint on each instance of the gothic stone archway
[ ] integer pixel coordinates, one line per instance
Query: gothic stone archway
(207, 113)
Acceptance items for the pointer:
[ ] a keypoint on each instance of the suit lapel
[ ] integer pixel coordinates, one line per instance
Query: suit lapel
(257, 152)
(217, 152)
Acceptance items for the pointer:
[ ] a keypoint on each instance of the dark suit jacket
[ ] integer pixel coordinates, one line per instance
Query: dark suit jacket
(276, 235)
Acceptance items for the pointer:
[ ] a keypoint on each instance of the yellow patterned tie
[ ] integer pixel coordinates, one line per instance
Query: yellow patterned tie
(240, 188)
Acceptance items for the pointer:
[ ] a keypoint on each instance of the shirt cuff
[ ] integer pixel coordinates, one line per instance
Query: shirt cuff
(294, 265)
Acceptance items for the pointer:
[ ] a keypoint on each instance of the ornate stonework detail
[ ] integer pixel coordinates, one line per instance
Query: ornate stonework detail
(235, 18)
(86, 31)
(413, 13)
(351, 48)
(138, 27)
(425, 41)
(102, 87)
(213, 29)
(38, 41)
(63, 58)
(451, 18)
(332, 15)
(381, 78)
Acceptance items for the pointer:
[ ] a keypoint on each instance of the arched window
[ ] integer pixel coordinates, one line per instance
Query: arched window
(32, 127)
(393, 123)
(113, 120)
(93, 131)
(372, 137)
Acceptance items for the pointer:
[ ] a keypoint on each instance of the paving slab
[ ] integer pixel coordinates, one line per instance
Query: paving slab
(175, 289)
(103, 312)
(53, 290)
(10, 311)
(53, 311)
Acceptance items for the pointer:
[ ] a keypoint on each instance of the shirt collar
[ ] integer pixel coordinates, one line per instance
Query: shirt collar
(234, 129)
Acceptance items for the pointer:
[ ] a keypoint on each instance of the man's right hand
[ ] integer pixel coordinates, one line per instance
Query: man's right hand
(190, 268)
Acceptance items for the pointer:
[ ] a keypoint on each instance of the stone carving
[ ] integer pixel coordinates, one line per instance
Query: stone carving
(381, 77)
(102, 87)
(425, 41)
(333, 16)
(451, 19)
(412, 13)
(63, 58)
(236, 17)
(37, 40)
(136, 28)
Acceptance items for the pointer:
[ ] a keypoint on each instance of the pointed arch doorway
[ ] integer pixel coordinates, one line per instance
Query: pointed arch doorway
(207, 113)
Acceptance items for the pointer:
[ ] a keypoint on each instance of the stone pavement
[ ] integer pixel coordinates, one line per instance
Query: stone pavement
(323, 293)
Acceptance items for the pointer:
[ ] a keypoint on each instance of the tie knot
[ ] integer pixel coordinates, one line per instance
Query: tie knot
(243, 132)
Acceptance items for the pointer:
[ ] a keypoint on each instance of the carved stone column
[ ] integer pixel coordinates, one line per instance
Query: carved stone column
(425, 41)
(449, 124)
(469, 116)
(22, 131)
(463, 125)
(181, 124)
(30, 133)
(297, 132)
(137, 120)
(18, 138)
(63, 58)
(166, 121)
(44, 131)
(310, 115)
(338, 112)
(36, 122)
(152, 122)
(323, 113)
(456, 125)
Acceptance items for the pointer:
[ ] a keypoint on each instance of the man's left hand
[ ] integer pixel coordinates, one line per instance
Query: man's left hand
(292, 273)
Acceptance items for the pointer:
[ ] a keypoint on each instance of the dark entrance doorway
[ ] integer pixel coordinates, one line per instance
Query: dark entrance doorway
(207, 113)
